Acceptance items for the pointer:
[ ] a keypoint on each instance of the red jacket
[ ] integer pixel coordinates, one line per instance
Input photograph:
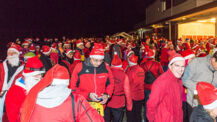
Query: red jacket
(121, 90)
(164, 57)
(72, 66)
(136, 78)
(156, 69)
(87, 79)
(64, 112)
(14, 99)
(165, 100)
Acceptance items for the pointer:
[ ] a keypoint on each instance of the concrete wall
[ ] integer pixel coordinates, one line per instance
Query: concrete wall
(154, 11)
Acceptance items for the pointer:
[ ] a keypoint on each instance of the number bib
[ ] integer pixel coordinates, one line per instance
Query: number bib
(98, 107)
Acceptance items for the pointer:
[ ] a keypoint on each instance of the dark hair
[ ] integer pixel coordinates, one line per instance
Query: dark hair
(215, 56)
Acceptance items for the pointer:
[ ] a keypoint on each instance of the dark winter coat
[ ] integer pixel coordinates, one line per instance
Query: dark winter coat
(200, 115)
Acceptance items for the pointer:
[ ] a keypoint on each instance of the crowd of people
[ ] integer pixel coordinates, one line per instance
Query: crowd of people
(97, 80)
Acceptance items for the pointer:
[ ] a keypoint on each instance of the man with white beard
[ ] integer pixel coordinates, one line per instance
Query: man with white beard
(10, 69)
(31, 75)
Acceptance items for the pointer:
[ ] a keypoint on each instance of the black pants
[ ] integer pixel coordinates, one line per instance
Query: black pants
(135, 114)
(114, 114)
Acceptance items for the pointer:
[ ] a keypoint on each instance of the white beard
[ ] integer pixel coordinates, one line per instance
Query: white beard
(13, 60)
(31, 82)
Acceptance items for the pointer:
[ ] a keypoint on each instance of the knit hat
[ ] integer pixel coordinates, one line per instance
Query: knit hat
(207, 94)
(175, 57)
(116, 62)
(15, 47)
(55, 76)
(68, 51)
(33, 66)
(29, 55)
(45, 49)
(187, 54)
(78, 43)
(32, 48)
(97, 52)
(133, 59)
(77, 55)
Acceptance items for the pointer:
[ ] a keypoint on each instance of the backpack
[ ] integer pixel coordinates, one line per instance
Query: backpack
(149, 76)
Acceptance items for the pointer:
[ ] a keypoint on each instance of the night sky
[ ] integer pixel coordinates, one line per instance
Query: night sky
(73, 18)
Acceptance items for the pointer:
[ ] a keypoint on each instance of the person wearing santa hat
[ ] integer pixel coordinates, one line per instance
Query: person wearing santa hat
(10, 69)
(207, 111)
(68, 60)
(87, 49)
(93, 78)
(136, 78)
(152, 70)
(77, 60)
(114, 110)
(31, 75)
(31, 48)
(165, 100)
(25, 49)
(188, 55)
(37, 51)
(199, 69)
(54, 56)
(60, 50)
(80, 48)
(51, 100)
(125, 65)
(45, 57)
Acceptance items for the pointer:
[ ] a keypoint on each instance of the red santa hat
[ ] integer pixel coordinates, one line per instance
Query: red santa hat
(37, 46)
(15, 47)
(86, 43)
(32, 48)
(54, 46)
(175, 57)
(68, 51)
(133, 59)
(207, 94)
(66, 43)
(45, 49)
(78, 43)
(25, 43)
(97, 52)
(150, 53)
(60, 43)
(77, 55)
(55, 76)
(129, 52)
(116, 62)
(201, 54)
(33, 66)
(187, 54)
(133, 45)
